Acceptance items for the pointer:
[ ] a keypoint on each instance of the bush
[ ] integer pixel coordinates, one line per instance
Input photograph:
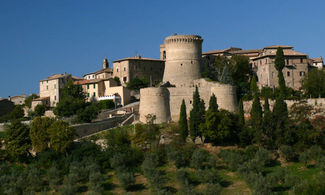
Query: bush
(304, 158)
(208, 176)
(212, 189)
(40, 110)
(88, 114)
(315, 152)
(232, 158)
(34, 178)
(96, 182)
(61, 136)
(321, 162)
(106, 104)
(126, 179)
(287, 152)
(53, 177)
(17, 113)
(183, 177)
(69, 185)
(311, 187)
(177, 157)
(263, 157)
(199, 158)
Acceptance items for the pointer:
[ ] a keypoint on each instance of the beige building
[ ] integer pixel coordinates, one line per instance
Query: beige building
(17, 100)
(317, 62)
(296, 67)
(138, 67)
(104, 73)
(103, 89)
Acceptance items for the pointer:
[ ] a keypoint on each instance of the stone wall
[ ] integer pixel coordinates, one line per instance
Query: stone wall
(317, 103)
(91, 128)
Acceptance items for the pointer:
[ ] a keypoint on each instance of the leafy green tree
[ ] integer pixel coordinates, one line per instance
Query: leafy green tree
(69, 186)
(29, 99)
(138, 83)
(268, 125)
(17, 140)
(88, 114)
(39, 134)
(126, 179)
(241, 117)
(61, 136)
(195, 114)
(279, 65)
(17, 113)
(40, 110)
(34, 178)
(106, 104)
(314, 83)
(240, 74)
(182, 123)
(72, 99)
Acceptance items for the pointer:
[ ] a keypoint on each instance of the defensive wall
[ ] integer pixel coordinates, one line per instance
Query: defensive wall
(317, 103)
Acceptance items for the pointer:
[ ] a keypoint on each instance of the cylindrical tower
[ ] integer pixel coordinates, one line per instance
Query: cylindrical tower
(154, 101)
(183, 59)
(226, 97)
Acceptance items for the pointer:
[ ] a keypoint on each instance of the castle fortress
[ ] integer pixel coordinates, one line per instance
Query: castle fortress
(183, 58)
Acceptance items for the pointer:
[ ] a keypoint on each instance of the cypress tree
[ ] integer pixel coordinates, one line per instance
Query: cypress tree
(213, 106)
(280, 117)
(241, 118)
(225, 76)
(182, 123)
(253, 86)
(279, 65)
(256, 113)
(195, 114)
(268, 125)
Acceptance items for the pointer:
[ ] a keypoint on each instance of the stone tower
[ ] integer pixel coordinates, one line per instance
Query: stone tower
(183, 57)
(105, 63)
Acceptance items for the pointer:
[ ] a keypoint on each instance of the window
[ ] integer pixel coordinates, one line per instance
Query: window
(47, 81)
(47, 87)
(288, 73)
(287, 61)
(94, 86)
(190, 101)
(302, 73)
(55, 97)
(117, 70)
(301, 60)
(124, 69)
(124, 79)
(54, 86)
(164, 55)
(181, 64)
(88, 94)
(87, 86)
(94, 94)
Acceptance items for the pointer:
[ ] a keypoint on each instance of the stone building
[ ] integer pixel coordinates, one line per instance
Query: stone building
(104, 73)
(127, 69)
(183, 58)
(18, 99)
(296, 66)
(317, 62)
(262, 63)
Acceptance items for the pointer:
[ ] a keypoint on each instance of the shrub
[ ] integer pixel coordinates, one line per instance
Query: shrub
(34, 178)
(313, 186)
(96, 181)
(53, 177)
(177, 157)
(88, 114)
(287, 152)
(263, 156)
(126, 179)
(315, 152)
(183, 178)
(199, 158)
(232, 158)
(61, 136)
(304, 158)
(321, 162)
(212, 189)
(69, 185)
(208, 176)
(40, 110)
(106, 104)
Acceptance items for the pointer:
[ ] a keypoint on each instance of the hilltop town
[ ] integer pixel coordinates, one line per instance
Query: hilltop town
(231, 121)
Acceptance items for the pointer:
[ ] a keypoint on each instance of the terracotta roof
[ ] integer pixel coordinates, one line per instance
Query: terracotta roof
(277, 46)
(85, 81)
(76, 78)
(41, 98)
(109, 70)
(317, 60)
(285, 52)
(230, 49)
(138, 58)
(246, 51)
(56, 76)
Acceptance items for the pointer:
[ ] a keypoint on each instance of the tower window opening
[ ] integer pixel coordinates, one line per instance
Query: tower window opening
(181, 64)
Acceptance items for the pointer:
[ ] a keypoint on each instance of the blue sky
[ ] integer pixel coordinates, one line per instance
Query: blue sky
(40, 38)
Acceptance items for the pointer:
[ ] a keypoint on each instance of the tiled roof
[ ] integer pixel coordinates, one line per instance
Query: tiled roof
(285, 52)
(317, 60)
(138, 58)
(108, 70)
(230, 49)
(85, 81)
(41, 98)
(56, 76)
(246, 51)
(277, 46)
